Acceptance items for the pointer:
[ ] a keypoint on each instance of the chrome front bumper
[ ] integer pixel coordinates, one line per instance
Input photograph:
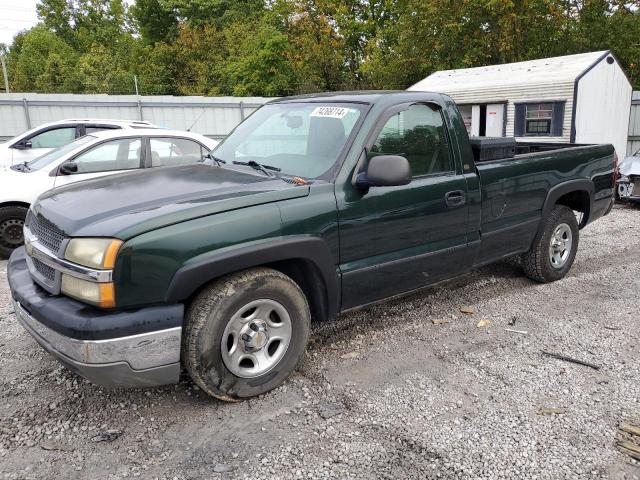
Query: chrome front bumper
(142, 360)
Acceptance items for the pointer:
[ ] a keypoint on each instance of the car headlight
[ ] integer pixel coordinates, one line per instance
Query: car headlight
(623, 179)
(97, 253)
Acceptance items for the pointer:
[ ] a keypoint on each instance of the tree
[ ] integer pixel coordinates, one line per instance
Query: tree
(218, 13)
(259, 61)
(40, 60)
(155, 21)
(277, 47)
(317, 51)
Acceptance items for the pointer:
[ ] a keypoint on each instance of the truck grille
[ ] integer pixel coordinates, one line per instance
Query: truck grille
(46, 232)
(47, 272)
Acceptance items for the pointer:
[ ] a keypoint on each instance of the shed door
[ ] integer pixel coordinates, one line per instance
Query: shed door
(495, 120)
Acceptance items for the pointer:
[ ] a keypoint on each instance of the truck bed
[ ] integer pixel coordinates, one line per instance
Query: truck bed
(514, 191)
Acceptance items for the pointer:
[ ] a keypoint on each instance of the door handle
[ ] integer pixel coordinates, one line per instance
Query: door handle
(456, 198)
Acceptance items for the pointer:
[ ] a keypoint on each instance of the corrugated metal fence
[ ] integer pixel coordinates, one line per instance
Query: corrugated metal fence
(633, 145)
(214, 117)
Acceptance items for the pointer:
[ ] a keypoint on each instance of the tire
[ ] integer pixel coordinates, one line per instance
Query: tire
(11, 223)
(259, 305)
(544, 263)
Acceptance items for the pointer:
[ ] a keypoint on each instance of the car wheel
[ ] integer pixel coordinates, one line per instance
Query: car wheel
(245, 333)
(554, 247)
(11, 223)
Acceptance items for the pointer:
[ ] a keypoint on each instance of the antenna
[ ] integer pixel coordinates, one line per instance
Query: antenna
(197, 120)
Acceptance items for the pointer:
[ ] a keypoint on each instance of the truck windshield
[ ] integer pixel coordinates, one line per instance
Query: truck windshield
(303, 139)
(44, 160)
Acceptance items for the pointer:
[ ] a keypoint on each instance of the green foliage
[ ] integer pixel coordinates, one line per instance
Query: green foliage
(280, 47)
(155, 21)
(41, 61)
(259, 61)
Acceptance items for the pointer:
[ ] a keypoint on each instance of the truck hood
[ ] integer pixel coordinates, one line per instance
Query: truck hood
(128, 204)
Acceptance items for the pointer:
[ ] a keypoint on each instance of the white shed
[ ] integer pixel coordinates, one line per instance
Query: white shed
(584, 98)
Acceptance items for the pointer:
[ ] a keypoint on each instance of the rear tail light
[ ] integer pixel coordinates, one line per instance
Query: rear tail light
(615, 170)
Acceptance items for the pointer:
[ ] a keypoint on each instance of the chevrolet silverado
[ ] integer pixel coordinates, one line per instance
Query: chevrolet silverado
(313, 206)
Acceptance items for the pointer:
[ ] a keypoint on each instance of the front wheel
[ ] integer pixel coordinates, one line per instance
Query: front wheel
(245, 333)
(11, 223)
(554, 247)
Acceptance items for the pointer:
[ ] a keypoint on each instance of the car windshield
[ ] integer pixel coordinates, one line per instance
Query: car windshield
(302, 139)
(44, 160)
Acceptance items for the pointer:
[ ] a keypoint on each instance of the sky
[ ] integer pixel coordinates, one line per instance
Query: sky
(16, 15)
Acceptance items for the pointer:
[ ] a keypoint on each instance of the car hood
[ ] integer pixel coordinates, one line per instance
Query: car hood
(22, 186)
(126, 205)
(630, 166)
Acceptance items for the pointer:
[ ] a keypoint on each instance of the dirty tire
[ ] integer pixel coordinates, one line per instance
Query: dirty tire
(210, 312)
(11, 222)
(536, 263)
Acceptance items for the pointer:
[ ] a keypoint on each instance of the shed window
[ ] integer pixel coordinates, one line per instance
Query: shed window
(539, 119)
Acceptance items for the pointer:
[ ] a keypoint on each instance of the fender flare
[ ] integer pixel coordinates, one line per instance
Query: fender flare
(193, 276)
(577, 185)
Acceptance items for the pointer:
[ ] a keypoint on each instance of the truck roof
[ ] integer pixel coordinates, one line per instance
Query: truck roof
(369, 97)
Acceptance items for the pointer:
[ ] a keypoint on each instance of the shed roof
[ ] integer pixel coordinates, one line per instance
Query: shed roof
(532, 72)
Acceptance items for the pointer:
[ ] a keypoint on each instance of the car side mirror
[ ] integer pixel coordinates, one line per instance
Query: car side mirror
(385, 171)
(69, 168)
(24, 145)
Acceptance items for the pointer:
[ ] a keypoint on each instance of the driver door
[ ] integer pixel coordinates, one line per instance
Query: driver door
(396, 239)
(107, 158)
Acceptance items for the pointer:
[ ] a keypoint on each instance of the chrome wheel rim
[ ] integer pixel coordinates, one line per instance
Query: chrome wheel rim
(560, 245)
(256, 338)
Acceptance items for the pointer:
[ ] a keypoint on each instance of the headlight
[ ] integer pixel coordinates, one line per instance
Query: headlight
(97, 253)
(99, 294)
(623, 179)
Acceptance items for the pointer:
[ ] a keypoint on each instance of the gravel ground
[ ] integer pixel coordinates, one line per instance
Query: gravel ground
(409, 389)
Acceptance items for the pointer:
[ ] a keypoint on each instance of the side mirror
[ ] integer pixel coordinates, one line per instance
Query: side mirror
(385, 171)
(24, 145)
(68, 168)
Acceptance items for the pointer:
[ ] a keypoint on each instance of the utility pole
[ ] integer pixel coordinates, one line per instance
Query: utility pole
(4, 72)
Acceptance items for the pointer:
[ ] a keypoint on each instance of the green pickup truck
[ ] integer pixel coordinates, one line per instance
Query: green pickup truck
(313, 206)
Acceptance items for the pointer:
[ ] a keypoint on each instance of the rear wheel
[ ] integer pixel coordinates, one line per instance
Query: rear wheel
(11, 223)
(554, 247)
(245, 333)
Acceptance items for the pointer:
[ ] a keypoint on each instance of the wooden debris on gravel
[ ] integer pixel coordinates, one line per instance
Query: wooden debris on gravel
(628, 440)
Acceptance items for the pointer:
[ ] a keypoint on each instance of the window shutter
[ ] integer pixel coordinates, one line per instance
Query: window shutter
(518, 126)
(558, 119)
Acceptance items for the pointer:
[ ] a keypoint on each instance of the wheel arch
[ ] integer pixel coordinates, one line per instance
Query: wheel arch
(575, 194)
(15, 203)
(307, 261)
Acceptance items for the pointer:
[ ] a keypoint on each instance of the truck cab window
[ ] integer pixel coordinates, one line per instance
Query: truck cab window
(417, 134)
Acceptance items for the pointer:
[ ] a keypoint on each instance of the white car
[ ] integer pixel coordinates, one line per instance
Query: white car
(46, 137)
(102, 153)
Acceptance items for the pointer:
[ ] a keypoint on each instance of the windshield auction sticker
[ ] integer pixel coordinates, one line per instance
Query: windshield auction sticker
(330, 112)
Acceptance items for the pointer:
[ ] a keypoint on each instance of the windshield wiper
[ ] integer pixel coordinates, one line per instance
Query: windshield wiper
(21, 167)
(259, 166)
(218, 161)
